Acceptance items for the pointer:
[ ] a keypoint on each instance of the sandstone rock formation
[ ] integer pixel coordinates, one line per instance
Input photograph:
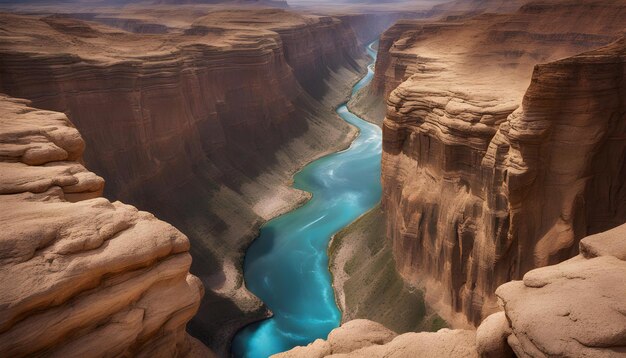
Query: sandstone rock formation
(572, 309)
(202, 125)
(483, 181)
(82, 276)
(363, 338)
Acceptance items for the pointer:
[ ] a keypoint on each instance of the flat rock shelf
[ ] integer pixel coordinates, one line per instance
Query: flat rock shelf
(287, 265)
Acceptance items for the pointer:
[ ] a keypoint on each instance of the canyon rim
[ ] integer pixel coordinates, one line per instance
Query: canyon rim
(235, 178)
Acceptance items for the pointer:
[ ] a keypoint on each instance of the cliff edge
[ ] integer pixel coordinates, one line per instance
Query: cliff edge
(82, 276)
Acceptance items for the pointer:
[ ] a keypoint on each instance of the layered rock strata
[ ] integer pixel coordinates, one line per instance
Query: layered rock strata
(80, 275)
(368, 103)
(202, 125)
(483, 182)
(572, 309)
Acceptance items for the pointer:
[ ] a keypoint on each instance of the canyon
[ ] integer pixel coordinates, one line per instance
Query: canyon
(503, 179)
(486, 178)
(238, 107)
(199, 115)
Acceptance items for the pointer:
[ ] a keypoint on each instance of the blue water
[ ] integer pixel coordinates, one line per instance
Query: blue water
(287, 265)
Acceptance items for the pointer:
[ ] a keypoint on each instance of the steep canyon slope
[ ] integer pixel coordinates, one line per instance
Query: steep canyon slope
(80, 275)
(201, 120)
(485, 177)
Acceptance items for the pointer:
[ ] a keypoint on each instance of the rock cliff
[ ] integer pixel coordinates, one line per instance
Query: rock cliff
(572, 309)
(202, 125)
(80, 275)
(483, 178)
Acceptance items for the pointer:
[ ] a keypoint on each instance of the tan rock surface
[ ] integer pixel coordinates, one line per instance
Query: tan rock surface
(318, 349)
(485, 178)
(351, 336)
(492, 335)
(82, 276)
(444, 343)
(573, 309)
(363, 338)
(358, 334)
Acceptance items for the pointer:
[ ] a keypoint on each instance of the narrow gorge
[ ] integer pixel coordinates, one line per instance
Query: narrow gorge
(286, 265)
(252, 91)
(225, 178)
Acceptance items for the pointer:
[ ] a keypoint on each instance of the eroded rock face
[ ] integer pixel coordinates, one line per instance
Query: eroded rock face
(482, 181)
(572, 309)
(82, 276)
(363, 338)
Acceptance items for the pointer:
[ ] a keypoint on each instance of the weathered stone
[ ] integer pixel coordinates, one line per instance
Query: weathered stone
(82, 276)
(484, 177)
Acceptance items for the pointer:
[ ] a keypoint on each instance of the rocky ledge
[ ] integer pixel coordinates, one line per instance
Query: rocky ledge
(82, 276)
(572, 309)
(575, 308)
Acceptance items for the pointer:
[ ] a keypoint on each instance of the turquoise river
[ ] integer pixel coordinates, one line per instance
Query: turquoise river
(287, 265)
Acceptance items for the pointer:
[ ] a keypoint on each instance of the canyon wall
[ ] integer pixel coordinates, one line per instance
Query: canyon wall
(485, 179)
(202, 125)
(80, 275)
(391, 67)
(572, 309)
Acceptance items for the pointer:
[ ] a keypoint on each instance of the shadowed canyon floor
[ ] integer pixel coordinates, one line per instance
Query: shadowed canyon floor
(367, 284)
